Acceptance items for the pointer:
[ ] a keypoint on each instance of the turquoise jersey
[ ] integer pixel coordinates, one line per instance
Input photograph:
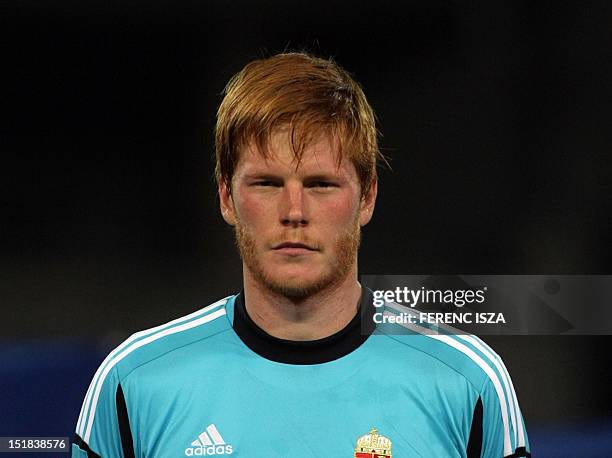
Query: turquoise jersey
(214, 384)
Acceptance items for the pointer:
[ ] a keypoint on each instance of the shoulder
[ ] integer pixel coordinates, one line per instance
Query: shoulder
(463, 353)
(150, 344)
(472, 359)
(138, 350)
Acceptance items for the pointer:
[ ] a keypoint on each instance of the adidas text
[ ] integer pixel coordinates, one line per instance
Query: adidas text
(209, 450)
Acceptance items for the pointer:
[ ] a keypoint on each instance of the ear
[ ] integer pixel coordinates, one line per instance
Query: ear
(368, 201)
(226, 204)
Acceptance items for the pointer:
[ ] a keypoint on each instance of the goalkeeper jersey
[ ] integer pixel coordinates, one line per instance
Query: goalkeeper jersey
(213, 383)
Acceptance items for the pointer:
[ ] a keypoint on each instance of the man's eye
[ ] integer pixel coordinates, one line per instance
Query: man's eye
(266, 183)
(321, 184)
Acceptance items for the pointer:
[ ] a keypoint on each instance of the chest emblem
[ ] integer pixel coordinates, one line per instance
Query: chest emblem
(373, 445)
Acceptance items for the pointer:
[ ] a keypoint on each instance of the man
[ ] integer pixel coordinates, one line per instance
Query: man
(294, 365)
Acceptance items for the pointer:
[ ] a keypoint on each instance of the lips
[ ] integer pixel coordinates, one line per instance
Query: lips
(294, 250)
(292, 245)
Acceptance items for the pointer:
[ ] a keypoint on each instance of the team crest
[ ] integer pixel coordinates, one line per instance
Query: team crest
(373, 445)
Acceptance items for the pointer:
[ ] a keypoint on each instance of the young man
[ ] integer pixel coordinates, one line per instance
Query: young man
(294, 365)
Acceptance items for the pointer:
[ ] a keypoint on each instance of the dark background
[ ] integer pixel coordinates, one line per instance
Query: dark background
(496, 118)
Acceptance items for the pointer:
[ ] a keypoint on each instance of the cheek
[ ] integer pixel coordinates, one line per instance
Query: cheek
(340, 212)
(253, 211)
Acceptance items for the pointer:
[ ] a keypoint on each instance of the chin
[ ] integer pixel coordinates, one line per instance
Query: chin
(297, 280)
(296, 285)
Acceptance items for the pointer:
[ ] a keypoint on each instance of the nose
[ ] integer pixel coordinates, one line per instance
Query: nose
(293, 209)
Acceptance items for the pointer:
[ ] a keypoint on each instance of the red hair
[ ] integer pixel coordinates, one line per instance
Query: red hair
(310, 96)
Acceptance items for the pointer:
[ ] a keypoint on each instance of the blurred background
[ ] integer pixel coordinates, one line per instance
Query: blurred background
(495, 116)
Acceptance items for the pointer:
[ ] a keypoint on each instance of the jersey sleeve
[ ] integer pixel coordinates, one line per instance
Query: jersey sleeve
(98, 429)
(503, 428)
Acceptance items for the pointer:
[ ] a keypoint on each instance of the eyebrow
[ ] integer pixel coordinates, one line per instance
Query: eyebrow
(272, 176)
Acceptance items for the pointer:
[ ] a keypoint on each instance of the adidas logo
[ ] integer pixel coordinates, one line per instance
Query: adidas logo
(209, 442)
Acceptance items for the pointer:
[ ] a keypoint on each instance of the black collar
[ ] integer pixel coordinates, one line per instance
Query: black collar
(317, 351)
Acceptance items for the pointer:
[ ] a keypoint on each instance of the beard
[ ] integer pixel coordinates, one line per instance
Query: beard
(345, 243)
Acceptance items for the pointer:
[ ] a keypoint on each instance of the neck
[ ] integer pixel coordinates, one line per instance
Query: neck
(314, 317)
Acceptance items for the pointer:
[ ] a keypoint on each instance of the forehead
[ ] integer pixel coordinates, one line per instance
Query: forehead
(320, 156)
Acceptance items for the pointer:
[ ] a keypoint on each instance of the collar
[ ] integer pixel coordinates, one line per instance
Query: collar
(329, 348)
